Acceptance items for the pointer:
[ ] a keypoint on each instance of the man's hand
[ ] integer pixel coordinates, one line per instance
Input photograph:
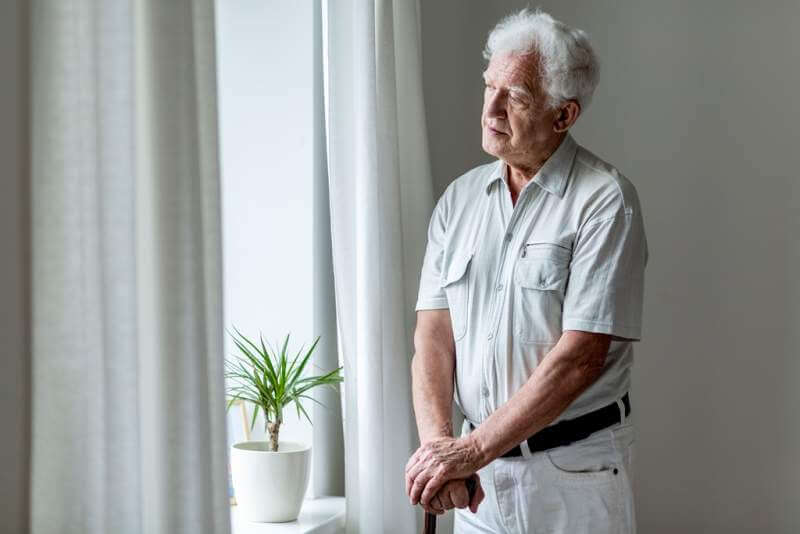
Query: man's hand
(454, 494)
(438, 461)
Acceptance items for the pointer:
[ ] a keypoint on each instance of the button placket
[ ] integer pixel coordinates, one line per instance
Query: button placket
(503, 267)
(495, 311)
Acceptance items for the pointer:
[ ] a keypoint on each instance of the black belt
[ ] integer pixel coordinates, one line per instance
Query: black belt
(571, 430)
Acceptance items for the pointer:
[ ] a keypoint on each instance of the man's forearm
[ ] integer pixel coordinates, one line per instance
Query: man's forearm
(567, 370)
(432, 390)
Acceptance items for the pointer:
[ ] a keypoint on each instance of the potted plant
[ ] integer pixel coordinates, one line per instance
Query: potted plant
(270, 477)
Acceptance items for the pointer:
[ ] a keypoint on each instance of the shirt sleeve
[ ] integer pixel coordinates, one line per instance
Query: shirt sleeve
(605, 288)
(431, 295)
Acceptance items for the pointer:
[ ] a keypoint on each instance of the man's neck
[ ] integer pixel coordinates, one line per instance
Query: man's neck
(519, 174)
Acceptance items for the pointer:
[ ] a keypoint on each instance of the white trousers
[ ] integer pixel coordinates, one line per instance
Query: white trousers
(581, 488)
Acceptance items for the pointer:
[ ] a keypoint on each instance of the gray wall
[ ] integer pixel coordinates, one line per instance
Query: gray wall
(14, 360)
(698, 106)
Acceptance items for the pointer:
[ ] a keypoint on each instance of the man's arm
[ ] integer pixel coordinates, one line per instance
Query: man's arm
(432, 374)
(576, 361)
(432, 388)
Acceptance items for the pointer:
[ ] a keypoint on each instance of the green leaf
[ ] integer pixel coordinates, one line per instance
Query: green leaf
(284, 359)
(242, 397)
(305, 360)
(294, 362)
(255, 414)
(312, 399)
(256, 362)
(267, 355)
(266, 360)
(300, 406)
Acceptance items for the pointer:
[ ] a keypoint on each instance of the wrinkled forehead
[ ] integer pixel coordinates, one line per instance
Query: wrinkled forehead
(514, 70)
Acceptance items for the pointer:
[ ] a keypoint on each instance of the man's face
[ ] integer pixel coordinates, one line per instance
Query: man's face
(515, 121)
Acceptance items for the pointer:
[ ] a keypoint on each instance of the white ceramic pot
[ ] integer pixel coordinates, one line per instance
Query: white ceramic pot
(270, 486)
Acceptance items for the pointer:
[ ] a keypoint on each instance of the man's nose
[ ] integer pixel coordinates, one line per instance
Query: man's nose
(495, 107)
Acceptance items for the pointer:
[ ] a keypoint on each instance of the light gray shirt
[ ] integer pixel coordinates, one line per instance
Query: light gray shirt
(570, 255)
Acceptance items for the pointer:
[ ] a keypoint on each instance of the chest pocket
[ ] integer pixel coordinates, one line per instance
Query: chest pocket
(455, 280)
(540, 279)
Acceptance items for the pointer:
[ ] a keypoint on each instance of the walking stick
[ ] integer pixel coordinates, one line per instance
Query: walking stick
(430, 519)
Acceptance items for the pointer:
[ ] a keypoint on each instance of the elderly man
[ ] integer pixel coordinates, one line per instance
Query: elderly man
(529, 301)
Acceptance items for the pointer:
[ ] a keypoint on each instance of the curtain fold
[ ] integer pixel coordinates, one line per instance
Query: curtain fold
(327, 432)
(128, 429)
(380, 199)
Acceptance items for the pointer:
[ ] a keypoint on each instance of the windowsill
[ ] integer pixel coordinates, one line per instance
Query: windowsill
(324, 515)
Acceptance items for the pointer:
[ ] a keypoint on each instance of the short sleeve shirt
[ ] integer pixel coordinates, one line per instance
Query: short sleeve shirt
(570, 255)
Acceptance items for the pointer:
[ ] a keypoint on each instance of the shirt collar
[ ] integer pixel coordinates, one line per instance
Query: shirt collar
(552, 177)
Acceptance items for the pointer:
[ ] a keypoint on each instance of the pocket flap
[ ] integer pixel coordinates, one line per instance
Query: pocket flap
(548, 251)
(540, 274)
(456, 269)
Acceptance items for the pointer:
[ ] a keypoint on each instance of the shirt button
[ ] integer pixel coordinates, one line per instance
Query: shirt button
(499, 287)
(485, 391)
(508, 237)
(490, 336)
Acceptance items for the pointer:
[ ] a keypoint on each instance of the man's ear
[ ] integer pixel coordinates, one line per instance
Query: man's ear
(566, 115)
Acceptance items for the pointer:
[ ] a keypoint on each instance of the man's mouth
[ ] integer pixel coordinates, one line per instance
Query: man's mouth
(496, 132)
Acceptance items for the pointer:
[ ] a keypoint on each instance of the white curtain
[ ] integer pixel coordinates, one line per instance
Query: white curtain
(381, 200)
(328, 442)
(128, 430)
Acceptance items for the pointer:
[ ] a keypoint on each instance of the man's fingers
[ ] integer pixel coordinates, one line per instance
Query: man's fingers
(409, 483)
(433, 507)
(428, 509)
(417, 487)
(413, 460)
(458, 495)
(477, 497)
(431, 488)
(437, 505)
(415, 481)
(410, 465)
(444, 497)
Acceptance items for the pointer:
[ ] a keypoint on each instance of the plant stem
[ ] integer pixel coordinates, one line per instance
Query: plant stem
(274, 429)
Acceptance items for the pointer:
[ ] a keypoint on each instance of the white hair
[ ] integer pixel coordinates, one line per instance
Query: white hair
(568, 65)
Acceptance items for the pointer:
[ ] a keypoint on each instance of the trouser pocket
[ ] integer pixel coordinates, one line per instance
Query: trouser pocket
(578, 489)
